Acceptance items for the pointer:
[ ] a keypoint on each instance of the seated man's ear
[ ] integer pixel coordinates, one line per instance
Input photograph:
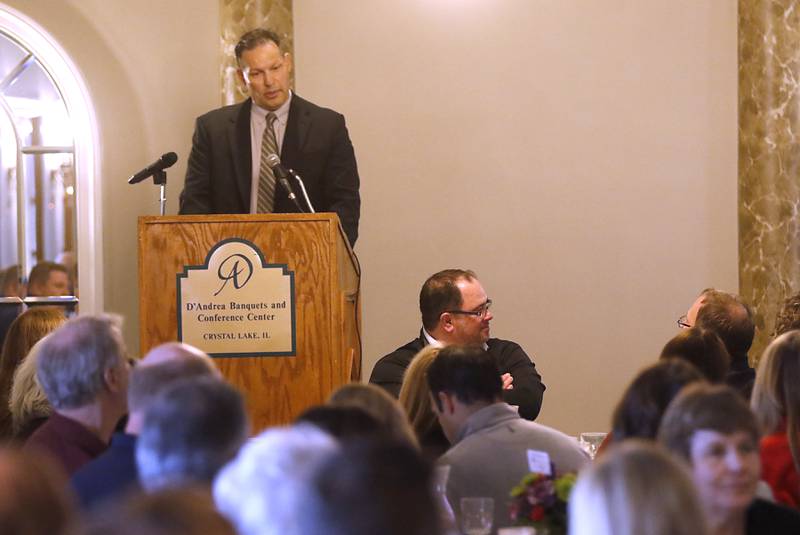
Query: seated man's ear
(446, 322)
(446, 402)
(113, 378)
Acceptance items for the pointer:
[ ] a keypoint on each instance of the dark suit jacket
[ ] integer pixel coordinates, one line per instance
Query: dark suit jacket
(511, 358)
(110, 475)
(316, 145)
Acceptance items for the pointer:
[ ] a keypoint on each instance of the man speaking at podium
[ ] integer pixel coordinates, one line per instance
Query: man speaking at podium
(228, 170)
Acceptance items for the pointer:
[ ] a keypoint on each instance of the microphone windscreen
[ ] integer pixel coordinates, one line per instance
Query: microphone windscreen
(273, 160)
(168, 159)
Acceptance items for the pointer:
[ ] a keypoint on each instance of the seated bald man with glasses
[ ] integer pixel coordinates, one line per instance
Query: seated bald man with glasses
(456, 311)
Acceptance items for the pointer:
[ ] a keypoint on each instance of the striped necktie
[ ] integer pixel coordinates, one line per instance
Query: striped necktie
(266, 178)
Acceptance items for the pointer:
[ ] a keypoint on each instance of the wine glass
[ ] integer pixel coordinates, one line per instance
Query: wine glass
(591, 441)
(477, 515)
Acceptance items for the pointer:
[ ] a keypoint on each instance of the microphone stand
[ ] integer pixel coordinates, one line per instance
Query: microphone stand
(160, 179)
(303, 189)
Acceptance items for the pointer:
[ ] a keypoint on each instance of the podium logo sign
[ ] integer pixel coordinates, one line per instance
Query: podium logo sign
(237, 305)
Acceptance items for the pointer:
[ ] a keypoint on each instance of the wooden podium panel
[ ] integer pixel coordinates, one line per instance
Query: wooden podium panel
(313, 246)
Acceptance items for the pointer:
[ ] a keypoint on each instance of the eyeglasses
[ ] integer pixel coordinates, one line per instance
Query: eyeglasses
(479, 312)
(683, 322)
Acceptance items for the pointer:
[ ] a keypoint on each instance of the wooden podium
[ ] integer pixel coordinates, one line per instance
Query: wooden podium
(325, 287)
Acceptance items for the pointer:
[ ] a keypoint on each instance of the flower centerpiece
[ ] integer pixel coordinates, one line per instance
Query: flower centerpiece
(540, 501)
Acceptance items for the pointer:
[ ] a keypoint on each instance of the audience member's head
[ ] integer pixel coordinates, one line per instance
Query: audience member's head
(178, 351)
(10, 283)
(163, 366)
(713, 429)
(29, 327)
(168, 512)
(788, 318)
(265, 490)
(48, 279)
(371, 487)
(415, 396)
(84, 363)
(343, 423)
(703, 349)
(639, 412)
(637, 488)
(726, 315)
(28, 403)
(33, 499)
(455, 308)
(776, 394)
(190, 431)
(462, 380)
(380, 405)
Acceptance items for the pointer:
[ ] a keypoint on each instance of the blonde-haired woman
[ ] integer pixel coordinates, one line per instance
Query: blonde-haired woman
(636, 488)
(28, 404)
(776, 404)
(415, 399)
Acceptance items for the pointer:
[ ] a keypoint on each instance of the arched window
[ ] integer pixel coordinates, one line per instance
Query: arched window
(49, 198)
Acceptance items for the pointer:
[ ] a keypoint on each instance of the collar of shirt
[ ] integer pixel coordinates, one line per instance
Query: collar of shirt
(259, 114)
(436, 343)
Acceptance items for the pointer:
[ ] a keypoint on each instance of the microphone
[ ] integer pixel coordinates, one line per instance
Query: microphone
(281, 174)
(167, 160)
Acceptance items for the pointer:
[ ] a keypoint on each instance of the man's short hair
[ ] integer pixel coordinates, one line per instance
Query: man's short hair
(40, 274)
(189, 432)
(467, 372)
(730, 317)
(9, 281)
(255, 38)
(147, 381)
(440, 294)
(702, 406)
(74, 358)
(372, 487)
(265, 490)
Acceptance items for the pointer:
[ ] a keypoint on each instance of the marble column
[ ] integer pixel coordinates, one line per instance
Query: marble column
(769, 154)
(240, 16)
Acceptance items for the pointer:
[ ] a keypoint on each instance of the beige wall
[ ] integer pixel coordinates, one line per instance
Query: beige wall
(580, 155)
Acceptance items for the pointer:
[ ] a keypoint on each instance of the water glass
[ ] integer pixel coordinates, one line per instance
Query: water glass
(477, 515)
(591, 441)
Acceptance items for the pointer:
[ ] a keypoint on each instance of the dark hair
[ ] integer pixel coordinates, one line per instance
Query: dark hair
(703, 349)
(40, 274)
(788, 318)
(343, 423)
(730, 317)
(35, 499)
(440, 293)
(469, 373)
(639, 412)
(255, 38)
(9, 278)
(371, 487)
(188, 511)
(702, 406)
